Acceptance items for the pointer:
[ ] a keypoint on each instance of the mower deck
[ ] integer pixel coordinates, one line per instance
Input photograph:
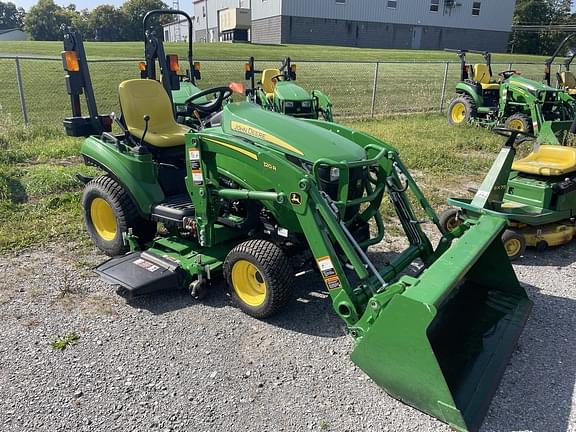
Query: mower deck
(140, 273)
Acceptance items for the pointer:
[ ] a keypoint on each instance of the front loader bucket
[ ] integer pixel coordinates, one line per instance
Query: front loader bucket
(443, 344)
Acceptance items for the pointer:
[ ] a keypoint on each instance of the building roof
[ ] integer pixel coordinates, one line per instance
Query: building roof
(4, 31)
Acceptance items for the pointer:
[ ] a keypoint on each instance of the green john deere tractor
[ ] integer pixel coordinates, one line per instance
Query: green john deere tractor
(277, 91)
(518, 103)
(536, 195)
(249, 197)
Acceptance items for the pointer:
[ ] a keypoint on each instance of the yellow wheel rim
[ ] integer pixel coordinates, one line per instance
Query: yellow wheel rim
(103, 218)
(248, 283)
(513, 247)
(452, 223)
(516, 124)
(458, 112)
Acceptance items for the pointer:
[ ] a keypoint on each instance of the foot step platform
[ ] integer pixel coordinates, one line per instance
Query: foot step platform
(174, 209)
(141, 273)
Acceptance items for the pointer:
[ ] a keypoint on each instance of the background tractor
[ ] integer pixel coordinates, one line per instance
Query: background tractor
(565, 79)
(258, 197)
(536, 195)
(277, 91)
(512, 100)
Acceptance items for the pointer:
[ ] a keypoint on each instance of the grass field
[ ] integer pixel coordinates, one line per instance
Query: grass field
(401, 87)
(39, 195)
(228, 51)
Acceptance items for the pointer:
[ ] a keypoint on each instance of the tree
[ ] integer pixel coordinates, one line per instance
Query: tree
(535, 12)
(135, 11)
(107, 23)
(44, 20)
(11, 16)
(530, 12)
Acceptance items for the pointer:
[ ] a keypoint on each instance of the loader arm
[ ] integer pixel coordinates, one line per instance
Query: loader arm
(438, 339)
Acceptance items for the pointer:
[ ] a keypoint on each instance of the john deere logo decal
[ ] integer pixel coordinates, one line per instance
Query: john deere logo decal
(260, 134)
(295, 198)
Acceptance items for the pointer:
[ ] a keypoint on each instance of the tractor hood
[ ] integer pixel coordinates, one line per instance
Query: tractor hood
(288, 135)
(530, 85)
(287, 90)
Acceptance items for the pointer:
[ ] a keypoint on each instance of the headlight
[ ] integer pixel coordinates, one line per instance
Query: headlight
(288, 104)
(306, 104)
(334, 174)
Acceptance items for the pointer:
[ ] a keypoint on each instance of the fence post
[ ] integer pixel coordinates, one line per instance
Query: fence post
(444, 81)
(21, 91)
(374, 87)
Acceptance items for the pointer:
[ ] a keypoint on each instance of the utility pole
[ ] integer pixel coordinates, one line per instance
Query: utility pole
(206, 17)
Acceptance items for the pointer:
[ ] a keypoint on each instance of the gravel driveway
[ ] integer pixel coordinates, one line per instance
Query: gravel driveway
(170, 363)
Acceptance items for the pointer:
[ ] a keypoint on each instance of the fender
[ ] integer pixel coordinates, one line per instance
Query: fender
(470, 90)
(137, 173)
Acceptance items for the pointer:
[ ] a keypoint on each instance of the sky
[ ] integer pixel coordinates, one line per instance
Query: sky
(185, 5)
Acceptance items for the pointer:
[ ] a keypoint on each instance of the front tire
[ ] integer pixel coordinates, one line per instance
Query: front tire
(449, 220)
(108, 212)
(259, 277)
(461, 110)
(519, 122)
(514, 244)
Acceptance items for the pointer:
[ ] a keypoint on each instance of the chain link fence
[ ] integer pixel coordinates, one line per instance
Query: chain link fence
(33, 89)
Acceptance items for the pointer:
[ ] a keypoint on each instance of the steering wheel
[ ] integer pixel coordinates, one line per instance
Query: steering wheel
(212, 106)
(279, 77)
(507, 73)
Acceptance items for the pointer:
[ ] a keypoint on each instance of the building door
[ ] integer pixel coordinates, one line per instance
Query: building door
(416, 37)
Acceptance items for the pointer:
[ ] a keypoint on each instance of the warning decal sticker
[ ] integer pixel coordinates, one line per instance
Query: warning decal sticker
(195, 167)
(146, 265)
(326, 267)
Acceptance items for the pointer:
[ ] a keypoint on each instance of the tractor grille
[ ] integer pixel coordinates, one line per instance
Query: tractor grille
(355, 187)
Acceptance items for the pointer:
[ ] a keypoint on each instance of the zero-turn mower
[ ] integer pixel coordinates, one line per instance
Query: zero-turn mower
(181, 87)
(514, 101)
(565, 78)
(259, 196)
(277, 91)
(536, 195)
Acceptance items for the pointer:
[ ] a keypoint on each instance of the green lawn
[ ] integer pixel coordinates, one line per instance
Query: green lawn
(40, 197)
(243, 51)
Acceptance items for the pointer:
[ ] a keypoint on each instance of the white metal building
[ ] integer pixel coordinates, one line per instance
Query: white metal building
(420, 24)
(176, 31)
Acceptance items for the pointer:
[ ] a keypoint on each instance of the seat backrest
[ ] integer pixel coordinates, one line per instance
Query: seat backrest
(482, 73)
(567, 79)
(140, 97)
(268, 84)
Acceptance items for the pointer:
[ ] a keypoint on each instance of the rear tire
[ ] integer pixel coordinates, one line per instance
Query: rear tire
(461, 110)
(514, 244)
(519, 122)
(449, 220)
(259, 277)
(108, 212)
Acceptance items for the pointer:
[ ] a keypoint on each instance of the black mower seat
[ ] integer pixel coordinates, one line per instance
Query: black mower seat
(140, 97)
(548, 160)
(174, 209)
